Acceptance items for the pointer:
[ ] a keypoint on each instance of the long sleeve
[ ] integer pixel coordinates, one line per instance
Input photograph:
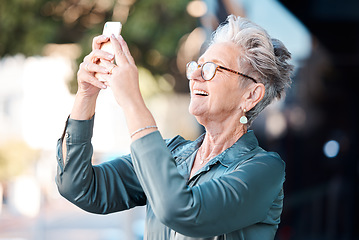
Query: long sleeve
(109, 187)
(233, 201)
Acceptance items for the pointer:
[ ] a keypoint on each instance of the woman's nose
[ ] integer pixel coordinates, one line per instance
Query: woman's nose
(196, 75)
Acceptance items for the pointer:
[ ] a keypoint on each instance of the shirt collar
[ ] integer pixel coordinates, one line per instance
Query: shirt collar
(245, 144)
(182, 154)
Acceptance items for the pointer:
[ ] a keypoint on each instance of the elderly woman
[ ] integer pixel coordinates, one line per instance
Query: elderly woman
(220, 186)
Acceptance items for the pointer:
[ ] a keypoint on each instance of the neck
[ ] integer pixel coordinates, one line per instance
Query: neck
(220, 136)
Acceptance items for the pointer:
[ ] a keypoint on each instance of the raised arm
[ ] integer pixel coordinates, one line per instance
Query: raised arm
(111, 186)
(88, 85)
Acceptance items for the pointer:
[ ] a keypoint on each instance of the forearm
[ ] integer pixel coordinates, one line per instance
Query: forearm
(83, 109)
(75, 163)
(138, 116)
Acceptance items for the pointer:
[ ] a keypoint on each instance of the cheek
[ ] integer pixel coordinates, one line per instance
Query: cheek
(229, 96)
(227, 90)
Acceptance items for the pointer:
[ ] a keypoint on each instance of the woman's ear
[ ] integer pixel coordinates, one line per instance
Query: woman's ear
(254, 95)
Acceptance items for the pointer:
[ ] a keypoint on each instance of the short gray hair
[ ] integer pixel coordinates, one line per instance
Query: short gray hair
(263, 58)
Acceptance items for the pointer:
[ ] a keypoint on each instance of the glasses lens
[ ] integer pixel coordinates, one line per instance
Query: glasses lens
(208, 70)
(191, 67)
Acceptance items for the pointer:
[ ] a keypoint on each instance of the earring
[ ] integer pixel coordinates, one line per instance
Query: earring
(243, 119)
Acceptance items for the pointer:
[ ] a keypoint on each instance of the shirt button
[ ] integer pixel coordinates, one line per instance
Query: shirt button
(67, 135)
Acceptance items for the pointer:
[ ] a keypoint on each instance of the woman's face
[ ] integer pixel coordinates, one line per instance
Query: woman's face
(221, 96)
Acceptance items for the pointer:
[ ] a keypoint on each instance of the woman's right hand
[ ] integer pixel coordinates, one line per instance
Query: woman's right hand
(88, 84)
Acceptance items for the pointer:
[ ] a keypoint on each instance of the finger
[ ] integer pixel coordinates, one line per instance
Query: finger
(86, 77)
(126, 50)
(93, 67)
(91, 79)
(87, 58)
(84, 67)
(119, 55)
(109, 66)
(104, 78)
(97, 83)
(98, 41)
(100, 54)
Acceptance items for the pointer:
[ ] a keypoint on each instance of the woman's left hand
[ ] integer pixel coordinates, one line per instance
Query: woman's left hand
(123, 77)
(124, 83)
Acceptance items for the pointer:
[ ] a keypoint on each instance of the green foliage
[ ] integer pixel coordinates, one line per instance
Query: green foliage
(23, 29)
(153, 28)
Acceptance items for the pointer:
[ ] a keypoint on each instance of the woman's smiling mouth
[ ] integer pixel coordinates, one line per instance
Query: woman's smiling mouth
(200, 93)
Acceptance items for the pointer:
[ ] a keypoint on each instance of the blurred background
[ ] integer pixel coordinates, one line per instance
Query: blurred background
(314, 128)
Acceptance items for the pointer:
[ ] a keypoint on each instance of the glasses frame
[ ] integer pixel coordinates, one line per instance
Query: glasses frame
(215, 71)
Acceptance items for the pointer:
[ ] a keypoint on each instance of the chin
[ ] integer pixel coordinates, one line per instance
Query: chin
(197, 111)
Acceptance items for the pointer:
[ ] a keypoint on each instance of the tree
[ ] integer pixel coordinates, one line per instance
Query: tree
(152, 28)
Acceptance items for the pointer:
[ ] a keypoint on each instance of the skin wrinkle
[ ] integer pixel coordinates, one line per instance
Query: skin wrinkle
(220, 111)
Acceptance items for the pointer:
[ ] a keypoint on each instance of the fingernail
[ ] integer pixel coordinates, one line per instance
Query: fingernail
(110, 56)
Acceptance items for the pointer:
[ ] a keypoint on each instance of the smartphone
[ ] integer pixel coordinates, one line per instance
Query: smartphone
(109, 29)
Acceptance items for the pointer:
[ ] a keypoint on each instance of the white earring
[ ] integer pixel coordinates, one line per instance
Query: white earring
(243, 119)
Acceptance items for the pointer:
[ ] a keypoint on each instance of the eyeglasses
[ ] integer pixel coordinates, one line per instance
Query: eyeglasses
(209, 70)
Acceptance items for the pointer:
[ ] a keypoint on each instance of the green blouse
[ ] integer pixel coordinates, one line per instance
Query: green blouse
(236, 195)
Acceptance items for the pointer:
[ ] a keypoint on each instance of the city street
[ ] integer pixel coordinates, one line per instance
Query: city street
(62, 220)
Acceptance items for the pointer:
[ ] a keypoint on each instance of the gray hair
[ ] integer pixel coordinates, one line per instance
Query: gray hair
(263, 58)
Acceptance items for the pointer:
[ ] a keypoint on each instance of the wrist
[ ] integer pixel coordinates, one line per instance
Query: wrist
(139, 119)
(84, 107)
(134, 106)
(84, 96)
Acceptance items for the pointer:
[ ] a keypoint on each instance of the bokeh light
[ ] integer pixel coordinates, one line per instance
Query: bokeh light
(331, 148)
(196, 8)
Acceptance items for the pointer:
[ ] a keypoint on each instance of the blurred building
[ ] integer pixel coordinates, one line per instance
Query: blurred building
(315, 128)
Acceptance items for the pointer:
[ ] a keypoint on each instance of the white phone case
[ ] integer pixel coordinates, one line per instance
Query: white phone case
(109, 29)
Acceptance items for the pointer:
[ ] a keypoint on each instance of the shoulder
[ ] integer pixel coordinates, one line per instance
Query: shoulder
(269, 158)
(260, 160)
(265, 164)
(176, 143)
